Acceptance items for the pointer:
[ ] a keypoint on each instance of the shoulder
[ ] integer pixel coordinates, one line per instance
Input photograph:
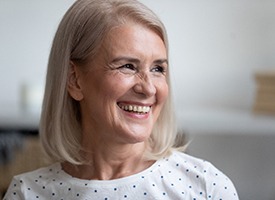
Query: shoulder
(40, 174)
(23, 184)
(188, 162)
(204, 174)
(193, 164)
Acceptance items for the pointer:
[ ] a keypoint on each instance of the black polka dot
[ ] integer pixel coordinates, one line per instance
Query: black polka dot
(159, 178)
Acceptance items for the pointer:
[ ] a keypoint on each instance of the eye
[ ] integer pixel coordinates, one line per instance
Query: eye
(159, 69)
(127, 69)
(128, 66)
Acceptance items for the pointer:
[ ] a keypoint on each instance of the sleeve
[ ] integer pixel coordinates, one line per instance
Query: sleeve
(14, 191)
(219, 186)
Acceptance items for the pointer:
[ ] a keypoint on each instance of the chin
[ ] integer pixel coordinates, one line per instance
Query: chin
(135, 137)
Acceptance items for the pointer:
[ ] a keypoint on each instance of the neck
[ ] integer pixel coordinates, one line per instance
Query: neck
(110, 161)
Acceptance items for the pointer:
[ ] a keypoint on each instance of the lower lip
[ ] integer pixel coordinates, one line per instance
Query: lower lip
(135, 115)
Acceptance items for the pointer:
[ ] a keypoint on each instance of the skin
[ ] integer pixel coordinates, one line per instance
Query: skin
(129, 69)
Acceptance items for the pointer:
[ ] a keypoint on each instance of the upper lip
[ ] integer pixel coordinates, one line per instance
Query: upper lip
(134, 103)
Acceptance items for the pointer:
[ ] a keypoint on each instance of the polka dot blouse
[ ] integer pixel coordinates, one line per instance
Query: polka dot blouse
(178, 176)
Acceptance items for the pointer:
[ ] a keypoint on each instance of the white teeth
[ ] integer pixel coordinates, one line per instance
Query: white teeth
(130, 108)
(146, 108)
(138, 109)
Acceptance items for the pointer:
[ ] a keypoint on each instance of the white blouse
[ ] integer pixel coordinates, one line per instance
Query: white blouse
(179, 176)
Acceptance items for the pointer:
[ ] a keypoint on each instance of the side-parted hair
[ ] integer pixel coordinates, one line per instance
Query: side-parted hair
(78, 38)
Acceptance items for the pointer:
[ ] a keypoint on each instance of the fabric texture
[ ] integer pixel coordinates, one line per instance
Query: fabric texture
(179, 176)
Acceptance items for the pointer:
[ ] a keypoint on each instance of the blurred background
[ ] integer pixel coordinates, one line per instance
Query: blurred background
(222, 57)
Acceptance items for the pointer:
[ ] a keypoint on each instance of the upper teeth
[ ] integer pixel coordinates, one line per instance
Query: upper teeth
(140, 109)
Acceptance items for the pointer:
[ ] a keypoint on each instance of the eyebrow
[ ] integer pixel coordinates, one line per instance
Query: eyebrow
(125, 58)
(161, 61)
(135, 60)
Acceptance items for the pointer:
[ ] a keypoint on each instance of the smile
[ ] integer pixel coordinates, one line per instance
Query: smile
(135, 108)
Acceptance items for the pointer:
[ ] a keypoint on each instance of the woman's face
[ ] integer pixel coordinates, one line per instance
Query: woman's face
(125, 87)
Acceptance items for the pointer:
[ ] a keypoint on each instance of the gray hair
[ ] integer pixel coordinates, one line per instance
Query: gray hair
(78, 38)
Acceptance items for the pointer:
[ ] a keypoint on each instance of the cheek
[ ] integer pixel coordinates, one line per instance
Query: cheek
(163, 91)
(115, 87)
(162, 96)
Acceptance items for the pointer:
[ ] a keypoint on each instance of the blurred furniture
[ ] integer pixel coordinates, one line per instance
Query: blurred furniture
(26, 158)
(265, 94)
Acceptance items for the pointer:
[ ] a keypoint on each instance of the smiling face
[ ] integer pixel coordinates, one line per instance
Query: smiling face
(123, 89)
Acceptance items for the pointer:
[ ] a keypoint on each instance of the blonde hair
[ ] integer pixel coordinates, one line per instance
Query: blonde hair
(79, 35)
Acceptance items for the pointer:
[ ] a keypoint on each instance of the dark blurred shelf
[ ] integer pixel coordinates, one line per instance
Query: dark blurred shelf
(23, 122)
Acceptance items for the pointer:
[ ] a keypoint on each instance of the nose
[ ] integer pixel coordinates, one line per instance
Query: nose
(145, 85)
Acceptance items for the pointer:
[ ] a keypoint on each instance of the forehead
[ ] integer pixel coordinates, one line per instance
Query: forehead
(133, 38)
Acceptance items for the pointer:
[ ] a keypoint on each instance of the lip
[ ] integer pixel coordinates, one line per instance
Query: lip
(134, 103)
(134, 115)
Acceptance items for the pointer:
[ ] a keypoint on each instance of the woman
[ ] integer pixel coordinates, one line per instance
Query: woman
(107, 118)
